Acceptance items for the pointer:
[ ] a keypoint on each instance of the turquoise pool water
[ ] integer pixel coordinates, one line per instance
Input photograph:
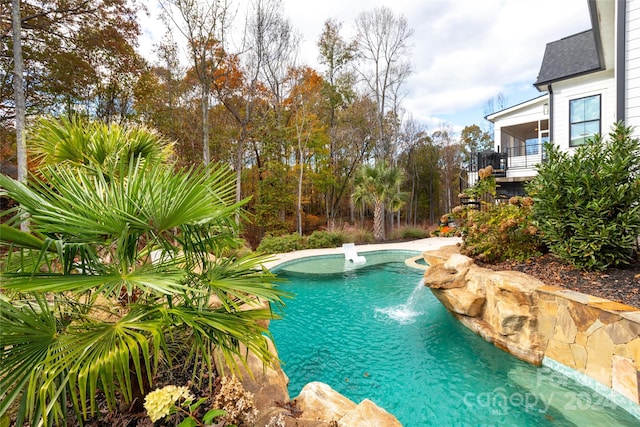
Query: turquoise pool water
(374, 332)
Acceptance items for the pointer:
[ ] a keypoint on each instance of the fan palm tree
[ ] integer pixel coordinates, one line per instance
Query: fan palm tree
(74, 142)
(378, 186)
(124, 260)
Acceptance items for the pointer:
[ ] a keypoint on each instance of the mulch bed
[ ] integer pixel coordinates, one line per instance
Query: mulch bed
(616, 284)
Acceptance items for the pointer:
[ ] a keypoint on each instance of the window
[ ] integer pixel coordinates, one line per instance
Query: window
(584, 119)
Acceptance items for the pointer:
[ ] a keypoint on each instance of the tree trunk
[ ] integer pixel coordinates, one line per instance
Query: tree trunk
(18, 87)
(378, 221)
(239, 154)
(299, 206)
(206, 156)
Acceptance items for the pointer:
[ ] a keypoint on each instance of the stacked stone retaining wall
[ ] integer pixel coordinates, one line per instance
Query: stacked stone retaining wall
(520, 314)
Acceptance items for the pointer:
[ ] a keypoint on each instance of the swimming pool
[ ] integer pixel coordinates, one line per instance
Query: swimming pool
(374, 332)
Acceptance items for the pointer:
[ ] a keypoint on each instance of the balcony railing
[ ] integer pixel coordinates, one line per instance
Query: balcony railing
(525, 157)
(522, 157)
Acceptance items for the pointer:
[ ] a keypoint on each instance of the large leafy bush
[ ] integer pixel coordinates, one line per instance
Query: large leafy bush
(324, 239)
(504, 232)
(296, 242)
(409, 232)
(587, 203)
(281, 244)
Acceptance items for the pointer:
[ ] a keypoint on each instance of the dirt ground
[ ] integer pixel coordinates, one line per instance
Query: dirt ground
(616, 284)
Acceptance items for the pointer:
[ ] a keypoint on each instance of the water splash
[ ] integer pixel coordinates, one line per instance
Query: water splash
(404, 314)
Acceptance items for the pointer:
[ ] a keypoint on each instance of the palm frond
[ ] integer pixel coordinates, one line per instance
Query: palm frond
(240, 281)
(225, 332)
(20, 239)
(27, 330)
(102, 203)
(74, 142)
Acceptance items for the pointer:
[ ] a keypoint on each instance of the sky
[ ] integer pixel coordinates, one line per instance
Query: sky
(463, 52)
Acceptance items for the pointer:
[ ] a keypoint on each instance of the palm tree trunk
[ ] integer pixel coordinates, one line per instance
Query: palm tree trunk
(378, 221)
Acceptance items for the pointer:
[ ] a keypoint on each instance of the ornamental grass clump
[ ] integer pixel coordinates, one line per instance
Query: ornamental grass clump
(587, 203)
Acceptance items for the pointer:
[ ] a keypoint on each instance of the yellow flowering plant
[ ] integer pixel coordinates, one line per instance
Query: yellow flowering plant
(171, 399)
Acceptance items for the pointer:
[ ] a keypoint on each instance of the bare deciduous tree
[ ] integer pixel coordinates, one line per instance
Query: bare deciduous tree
(267, 48)
(203, 23)
(278, 46)
(336, 54)
(492, 105)
(18, 87)
(383, 47)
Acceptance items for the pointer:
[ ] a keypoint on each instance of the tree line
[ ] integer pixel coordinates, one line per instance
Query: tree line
(296, 136)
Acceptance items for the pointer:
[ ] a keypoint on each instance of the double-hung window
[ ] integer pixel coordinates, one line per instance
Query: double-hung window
(584, 119)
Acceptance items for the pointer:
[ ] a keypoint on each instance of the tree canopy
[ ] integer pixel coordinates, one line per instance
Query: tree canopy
(226, 84)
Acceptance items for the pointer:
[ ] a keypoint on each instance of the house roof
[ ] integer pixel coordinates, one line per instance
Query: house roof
(514, 108)
(568, 57)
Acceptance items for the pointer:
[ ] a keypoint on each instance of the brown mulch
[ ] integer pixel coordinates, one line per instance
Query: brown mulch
(616, 284)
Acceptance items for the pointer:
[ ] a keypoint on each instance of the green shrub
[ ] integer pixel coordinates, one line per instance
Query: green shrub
(408, 233)
(281, 244)
(505, 232)
(319, 239)
(324, 239)
(359, 236)
(587, 204)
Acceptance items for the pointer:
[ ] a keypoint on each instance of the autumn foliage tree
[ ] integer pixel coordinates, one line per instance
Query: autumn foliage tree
(296, 136)
(75, 53)
(78, 57)
(306, 119)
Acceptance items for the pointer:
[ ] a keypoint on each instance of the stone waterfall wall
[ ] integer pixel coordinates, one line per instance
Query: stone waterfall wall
(530, 320)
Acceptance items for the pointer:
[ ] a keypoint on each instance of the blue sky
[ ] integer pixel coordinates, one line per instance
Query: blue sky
(464, 52)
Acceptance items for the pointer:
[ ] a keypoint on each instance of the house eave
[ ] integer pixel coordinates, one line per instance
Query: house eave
(543, 86)
(494, 116)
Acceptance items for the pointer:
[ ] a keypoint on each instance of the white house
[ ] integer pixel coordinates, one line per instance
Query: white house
(588, 81)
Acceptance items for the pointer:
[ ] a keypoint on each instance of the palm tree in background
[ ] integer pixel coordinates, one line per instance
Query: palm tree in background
(379, 186)
(129, 263)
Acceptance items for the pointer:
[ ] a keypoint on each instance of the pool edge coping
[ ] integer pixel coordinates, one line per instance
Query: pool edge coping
(421, 245)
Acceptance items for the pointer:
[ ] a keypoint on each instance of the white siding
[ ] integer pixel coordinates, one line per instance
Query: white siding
(532, 112)
(601, 83)
(632, 65)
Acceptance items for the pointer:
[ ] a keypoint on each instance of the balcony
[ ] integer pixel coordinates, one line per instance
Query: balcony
(525, 156)
(498, 161)
(522, 157)
(513, 166)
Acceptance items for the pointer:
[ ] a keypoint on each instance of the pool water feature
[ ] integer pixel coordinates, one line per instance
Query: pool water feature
(374, 333)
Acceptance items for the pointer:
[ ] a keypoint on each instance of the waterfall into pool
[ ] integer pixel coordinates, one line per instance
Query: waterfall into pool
(376, 333)
(409, 311)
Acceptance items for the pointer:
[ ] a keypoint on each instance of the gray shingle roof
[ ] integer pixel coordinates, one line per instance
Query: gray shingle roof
(568, 57)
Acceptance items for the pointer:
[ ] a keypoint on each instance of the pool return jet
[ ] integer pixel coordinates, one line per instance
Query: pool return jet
(351, 257)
